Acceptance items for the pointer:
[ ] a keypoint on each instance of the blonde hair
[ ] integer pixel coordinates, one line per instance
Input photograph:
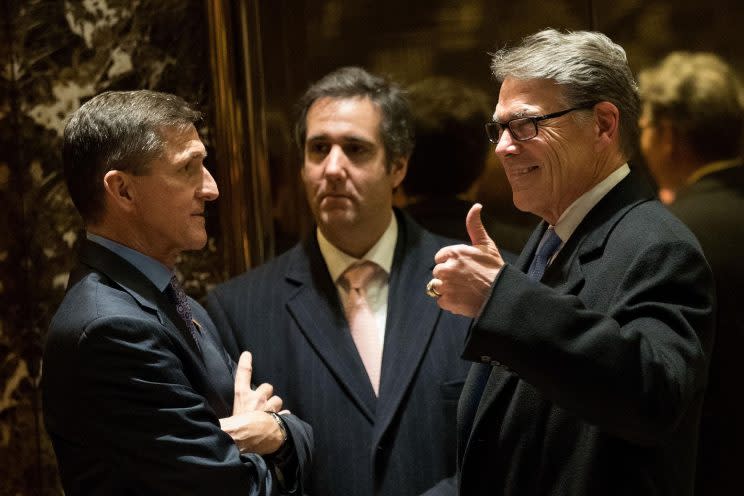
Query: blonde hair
(701, 97)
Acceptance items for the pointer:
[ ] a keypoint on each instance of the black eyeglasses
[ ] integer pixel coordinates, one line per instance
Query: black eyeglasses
(523, 128)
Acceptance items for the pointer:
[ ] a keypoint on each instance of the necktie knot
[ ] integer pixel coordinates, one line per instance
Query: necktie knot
(547, 249)
(359, 275)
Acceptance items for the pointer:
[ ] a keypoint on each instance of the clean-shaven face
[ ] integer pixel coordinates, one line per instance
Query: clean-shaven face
(548, 172)
(170, 197)
(347, 183)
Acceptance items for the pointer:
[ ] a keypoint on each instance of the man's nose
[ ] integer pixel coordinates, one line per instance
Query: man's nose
(208, 190)
(506, 145)
(336, 162)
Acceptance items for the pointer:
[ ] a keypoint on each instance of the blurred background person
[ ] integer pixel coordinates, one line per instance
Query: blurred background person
(450, 153)
(692, 124)
(448, 160)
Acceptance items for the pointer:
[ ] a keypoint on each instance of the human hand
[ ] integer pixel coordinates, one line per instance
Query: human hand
(251, 428)
(464, 274)
(247, 399)
(254, 432)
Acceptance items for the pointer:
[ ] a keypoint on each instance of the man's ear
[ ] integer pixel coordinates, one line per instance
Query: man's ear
(398, 170)
(118, 190)
(606, 123)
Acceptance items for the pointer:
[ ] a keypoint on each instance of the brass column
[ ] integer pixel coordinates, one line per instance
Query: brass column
(240, 133)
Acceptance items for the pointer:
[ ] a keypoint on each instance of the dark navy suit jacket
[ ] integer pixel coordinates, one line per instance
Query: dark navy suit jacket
(399, 444)
(130, 405)
(591, 382)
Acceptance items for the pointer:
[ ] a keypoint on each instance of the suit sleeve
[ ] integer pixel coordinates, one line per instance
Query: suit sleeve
(635, 369)
(144, 415)
(297, 452)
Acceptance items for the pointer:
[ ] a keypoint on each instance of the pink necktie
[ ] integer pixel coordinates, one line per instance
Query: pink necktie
(361, 319)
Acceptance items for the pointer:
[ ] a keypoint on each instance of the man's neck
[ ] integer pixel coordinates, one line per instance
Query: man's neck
(131, 239)
(357, 242)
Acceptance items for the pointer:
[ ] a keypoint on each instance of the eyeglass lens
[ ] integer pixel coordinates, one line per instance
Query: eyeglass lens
(521, 129)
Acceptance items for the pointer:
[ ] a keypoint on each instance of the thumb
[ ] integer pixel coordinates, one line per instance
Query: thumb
(476, 231)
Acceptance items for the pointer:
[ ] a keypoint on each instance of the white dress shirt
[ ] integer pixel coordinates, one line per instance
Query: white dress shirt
(381, 253)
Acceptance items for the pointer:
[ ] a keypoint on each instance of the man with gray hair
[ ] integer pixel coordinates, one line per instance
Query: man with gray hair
(691, 137)
(592, 349)
(139, 394)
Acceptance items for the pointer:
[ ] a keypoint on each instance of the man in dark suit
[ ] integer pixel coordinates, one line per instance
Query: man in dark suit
(139, 395)
(592, 349)
(691, 137)
(381, 397)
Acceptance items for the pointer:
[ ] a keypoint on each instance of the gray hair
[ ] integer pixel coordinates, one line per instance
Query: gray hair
(117, 130)
(701, 97)
(588, 66)
(396, 127)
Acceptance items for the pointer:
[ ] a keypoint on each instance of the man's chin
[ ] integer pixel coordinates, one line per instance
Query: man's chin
(335, 218)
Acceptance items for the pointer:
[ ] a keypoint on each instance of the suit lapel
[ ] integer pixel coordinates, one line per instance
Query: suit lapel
(565, 274)
(588, 241)
(134, 282)
(317, 311)
(411, 320)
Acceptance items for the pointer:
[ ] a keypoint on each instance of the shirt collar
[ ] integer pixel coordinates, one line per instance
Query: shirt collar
(575, 213)
(381, 252)
(711, 168)
(156, 272)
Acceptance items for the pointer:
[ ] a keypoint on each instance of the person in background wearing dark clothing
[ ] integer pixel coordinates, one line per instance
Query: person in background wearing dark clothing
(449, 155)
(449, 158)
(592, 349)
(139, 396)
(691, 137)
(347, 336)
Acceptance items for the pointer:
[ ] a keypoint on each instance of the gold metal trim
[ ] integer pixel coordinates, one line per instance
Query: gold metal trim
(240, 133)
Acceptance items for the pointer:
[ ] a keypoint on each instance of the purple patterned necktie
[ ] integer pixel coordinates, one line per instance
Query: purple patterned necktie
(177, 296)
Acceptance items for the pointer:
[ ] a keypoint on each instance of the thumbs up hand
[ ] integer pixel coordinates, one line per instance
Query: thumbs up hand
(464, 274)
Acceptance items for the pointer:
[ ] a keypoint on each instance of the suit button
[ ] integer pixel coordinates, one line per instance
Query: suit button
(485, 359)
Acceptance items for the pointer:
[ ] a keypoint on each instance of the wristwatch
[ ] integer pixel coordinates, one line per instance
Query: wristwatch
(280, 422)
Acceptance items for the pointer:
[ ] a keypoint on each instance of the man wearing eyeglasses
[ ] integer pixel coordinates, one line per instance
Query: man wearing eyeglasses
(592, 349)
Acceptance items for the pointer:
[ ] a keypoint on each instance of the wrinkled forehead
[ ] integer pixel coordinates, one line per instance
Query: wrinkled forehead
(527, 97)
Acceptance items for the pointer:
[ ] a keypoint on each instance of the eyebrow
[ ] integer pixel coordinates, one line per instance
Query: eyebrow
(342, 139)
(519, 114)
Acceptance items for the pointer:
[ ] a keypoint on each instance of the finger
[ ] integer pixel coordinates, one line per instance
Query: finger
(474, 225)
(244, 372)
(285, 412)
(432, 288)
(274, 404)
(265, 390)
(446, 253)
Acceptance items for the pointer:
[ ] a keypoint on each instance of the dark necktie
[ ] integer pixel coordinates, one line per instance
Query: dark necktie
(544, 252)
(177, 296)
